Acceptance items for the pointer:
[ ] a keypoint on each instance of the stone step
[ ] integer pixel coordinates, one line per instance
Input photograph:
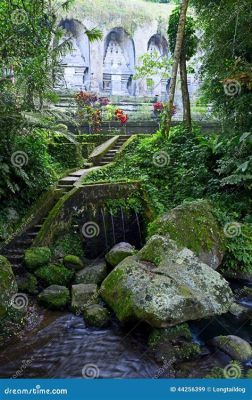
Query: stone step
(37, 227)
(78, 173)
(24, 242)
(15, 257)
(33, 234)
(67, 188)
(69, 179)
(13, 252)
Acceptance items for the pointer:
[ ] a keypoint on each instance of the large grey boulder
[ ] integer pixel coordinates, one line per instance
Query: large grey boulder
(165, 285)
(83, 296)
(92, 273)
(8, 286)
(119, 252)
(236, 347)
(194, 225)
(54, 297)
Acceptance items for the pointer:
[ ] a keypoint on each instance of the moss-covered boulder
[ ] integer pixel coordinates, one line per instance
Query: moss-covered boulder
(166, 288)
(173, 343)
(119, 252)
(54, 297)
(236, 347)
(96, 315)
(27, 283)
(37, 257)
(92, 273)
(55, 275)
(8, 286)
(73, 262)
(83, 296)
(193, 225)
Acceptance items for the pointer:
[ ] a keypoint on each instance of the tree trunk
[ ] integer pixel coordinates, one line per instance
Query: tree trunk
(177, 53)
(185, 93)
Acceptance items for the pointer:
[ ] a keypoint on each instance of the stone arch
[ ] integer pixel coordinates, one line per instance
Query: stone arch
(76, 63)
(118, 63)
(160, 86)
(159, 43)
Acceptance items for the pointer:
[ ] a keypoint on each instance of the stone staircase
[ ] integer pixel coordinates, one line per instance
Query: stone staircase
(110, 155)
(15, 251)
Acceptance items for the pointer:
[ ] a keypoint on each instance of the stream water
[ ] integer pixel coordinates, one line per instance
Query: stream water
(59, 345)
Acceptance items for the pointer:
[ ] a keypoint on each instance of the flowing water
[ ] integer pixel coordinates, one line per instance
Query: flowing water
(59, 345)
(63, 347)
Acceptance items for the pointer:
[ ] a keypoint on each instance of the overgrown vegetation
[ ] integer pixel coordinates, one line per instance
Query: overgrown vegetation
(184, 167)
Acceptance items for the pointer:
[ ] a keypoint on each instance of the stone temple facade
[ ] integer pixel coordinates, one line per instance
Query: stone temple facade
(107, 66)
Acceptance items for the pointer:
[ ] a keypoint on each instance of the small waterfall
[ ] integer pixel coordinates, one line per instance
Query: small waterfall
(139, 227)
(105, 229)
(123, 224)
(113, 226)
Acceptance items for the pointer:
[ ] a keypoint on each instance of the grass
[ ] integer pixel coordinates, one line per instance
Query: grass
(129, 14)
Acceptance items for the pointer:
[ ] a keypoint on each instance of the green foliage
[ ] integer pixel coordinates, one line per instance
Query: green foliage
(153, 64)
(67, 155)
(226, 68)
(190, 39)
(238, 257)
(189, 168)
(70, 243)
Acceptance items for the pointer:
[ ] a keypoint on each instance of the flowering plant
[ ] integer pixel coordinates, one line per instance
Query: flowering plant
(90, 109)
(158, 107)
(121, 116)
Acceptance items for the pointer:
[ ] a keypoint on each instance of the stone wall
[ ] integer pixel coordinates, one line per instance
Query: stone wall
(107, 66)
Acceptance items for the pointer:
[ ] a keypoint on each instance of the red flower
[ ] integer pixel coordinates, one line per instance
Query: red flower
(158, 107)
(124, 118)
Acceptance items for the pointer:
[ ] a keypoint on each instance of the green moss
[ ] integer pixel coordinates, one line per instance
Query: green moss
(96, 315)
(158, 336)
(55, 275)
(54, 226)
(192, 225)
(124, 303)
(73, 262)
(37, 257)
(69, 243)
(68, 155)
(187, 351)
(8, 286)
(54, 297)
(215, 373)
(28, 284)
